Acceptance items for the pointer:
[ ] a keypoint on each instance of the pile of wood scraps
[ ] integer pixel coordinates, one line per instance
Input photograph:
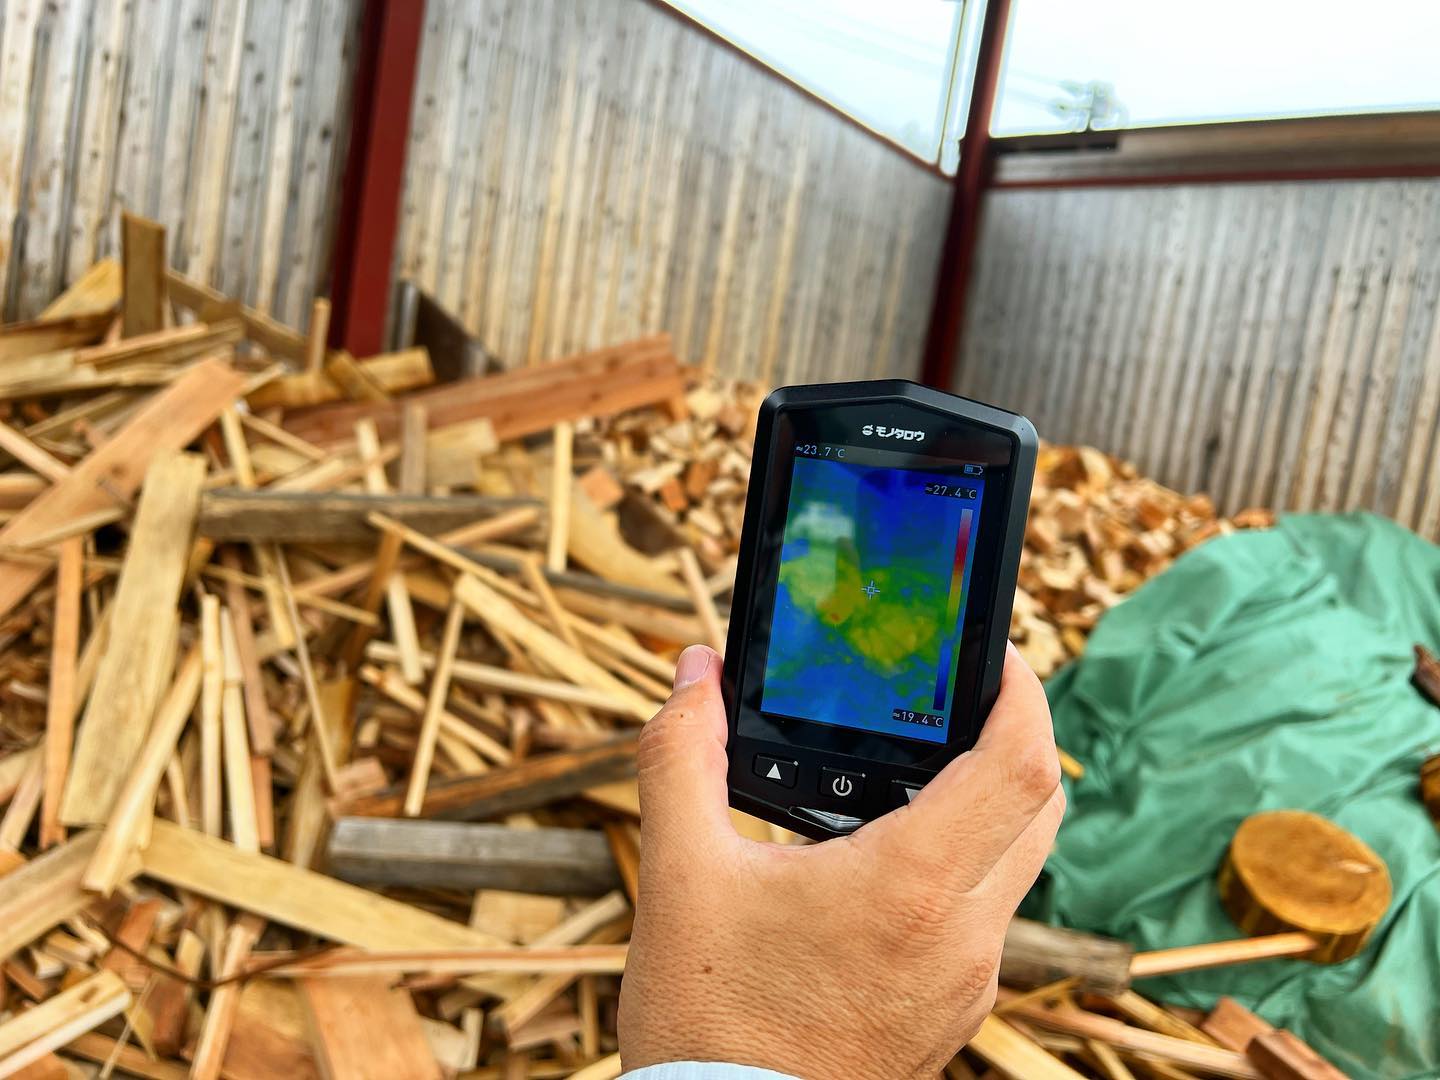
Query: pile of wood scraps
(1097, 531)
(320, 685)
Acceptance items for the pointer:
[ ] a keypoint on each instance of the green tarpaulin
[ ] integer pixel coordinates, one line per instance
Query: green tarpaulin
(1263, 670)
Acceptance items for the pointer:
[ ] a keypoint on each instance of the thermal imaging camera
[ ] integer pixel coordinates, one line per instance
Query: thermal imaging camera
(882, 537)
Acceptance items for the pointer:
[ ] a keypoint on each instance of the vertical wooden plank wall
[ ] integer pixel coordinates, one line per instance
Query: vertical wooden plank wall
(222, 118)
(583, 171)
(1271, 344)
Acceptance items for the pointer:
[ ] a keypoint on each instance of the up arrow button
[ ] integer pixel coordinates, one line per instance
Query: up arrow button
(777, 770)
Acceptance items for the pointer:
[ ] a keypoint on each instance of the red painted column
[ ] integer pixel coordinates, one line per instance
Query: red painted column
(947, 313)
(374, 174)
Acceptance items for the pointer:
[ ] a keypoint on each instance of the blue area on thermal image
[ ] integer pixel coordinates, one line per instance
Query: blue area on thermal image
(860, 619)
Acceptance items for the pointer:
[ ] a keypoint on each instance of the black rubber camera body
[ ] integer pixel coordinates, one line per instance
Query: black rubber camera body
(882, 538)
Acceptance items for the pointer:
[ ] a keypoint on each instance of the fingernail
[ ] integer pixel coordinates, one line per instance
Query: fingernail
(694, 662)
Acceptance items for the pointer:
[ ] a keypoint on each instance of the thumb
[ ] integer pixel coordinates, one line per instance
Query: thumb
(681, 758)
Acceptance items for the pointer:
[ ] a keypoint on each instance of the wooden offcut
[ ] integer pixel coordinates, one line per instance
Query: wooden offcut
(142, 309)
(364, 1028)
(1038, 955)
(1427, 674)
(1282, 1055)
(458, 855)
(129, 680)
(1290, 870)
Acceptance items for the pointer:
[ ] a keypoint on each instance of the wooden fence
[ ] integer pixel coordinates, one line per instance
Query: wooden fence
(583, 171)
(222, 118)
(1274, 344)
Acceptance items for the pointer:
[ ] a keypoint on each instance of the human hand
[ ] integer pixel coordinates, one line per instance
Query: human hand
(870, 955)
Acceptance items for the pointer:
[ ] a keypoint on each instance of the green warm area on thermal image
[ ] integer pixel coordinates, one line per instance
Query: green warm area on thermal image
(887, 630)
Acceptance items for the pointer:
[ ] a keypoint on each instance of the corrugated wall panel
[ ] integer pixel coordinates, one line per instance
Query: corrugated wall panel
(223, 119)
(582, 171)
(1272, 344)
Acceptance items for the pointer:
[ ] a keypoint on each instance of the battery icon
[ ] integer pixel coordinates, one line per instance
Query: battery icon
(974, 470)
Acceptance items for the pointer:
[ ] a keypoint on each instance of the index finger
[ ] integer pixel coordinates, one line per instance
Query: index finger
(979, 804)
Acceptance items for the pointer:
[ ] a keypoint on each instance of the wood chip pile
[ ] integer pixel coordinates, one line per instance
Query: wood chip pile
(319, 686)
(1097, 531)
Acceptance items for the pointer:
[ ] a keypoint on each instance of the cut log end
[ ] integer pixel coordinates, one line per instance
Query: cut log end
(1290, 870)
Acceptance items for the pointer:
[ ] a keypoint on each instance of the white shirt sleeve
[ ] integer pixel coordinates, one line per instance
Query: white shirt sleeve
(704, 1070)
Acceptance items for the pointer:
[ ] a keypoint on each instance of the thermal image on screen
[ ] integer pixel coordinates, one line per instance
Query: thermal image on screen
(869, 607)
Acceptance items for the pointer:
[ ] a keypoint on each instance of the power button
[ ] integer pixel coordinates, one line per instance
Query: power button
(838, 784)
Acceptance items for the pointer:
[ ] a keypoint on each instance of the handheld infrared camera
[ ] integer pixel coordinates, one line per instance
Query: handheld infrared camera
(882, 537)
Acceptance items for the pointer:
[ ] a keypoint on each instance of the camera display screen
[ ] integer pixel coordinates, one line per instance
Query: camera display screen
(874, 573)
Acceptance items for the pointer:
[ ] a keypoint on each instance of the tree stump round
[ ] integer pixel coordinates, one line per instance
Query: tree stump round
(1292, 870)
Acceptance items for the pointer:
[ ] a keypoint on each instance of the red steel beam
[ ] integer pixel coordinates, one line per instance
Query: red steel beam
(1233, 176)
(947, 312)
(365, 231)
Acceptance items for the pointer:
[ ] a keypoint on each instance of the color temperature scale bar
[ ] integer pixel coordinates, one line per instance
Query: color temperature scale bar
(959, 581)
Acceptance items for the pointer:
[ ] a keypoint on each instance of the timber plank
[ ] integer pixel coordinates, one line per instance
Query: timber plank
(142, 627)
(297, 897)
(168, 421)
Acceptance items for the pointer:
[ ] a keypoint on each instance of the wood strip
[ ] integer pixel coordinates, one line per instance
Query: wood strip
(502, 525)
(489, 677)
(452, 729)
(500, 614)
(23, 806)
(561, 476)
(315, 337)
(31, 456)
(1147, 1014)
(56, 877)
(240, 938)
(1220, 954)
(522, 786)
(63, 698)
(126, 829)
(167, 422)
(142, 629)
(53, 1023)
(1000, 1045)
(239, 783)
(325, 743)
(212, 691)
(413, 425)
(278, 339)
(434, 707)
(397, 598)
(1211, 1059)
(694, 579)
(257, 708)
